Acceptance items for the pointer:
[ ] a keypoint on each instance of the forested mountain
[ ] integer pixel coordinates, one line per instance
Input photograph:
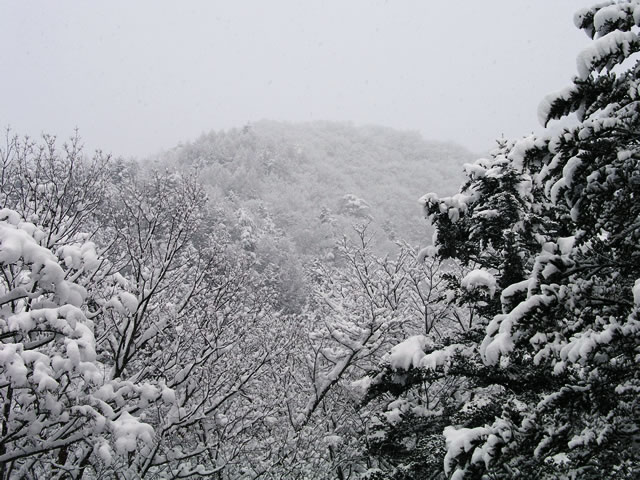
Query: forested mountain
(314, 180)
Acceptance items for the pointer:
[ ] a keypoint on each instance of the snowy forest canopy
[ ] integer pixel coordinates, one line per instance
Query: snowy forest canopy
(260, 303)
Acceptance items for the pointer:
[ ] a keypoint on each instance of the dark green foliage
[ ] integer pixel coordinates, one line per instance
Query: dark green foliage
(555, 219)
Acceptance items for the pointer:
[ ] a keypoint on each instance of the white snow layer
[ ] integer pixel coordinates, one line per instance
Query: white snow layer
(479, 278)
(500, 331)
(613, 43)
(458, 441)
(408, 353)
(606, 15)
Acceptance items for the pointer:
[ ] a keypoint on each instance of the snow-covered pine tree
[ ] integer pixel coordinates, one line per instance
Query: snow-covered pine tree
(550, 226)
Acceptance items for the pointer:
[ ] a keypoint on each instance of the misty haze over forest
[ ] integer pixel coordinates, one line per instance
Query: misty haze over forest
(253, 241)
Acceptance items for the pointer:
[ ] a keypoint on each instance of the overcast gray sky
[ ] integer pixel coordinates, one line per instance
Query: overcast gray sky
(140, 76)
